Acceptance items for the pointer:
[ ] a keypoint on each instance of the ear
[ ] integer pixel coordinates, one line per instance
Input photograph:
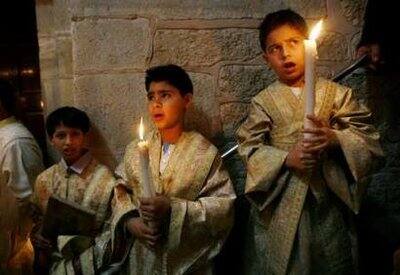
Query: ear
(188, 98)
(51, 139)
(265, 56)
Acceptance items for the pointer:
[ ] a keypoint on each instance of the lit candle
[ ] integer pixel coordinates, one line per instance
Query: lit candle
(145, 176)
(310, 46)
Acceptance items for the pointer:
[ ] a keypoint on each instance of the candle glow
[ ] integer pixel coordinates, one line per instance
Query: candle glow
(316, 30)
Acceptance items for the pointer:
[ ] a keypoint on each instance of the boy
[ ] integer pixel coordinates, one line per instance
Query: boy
(77, 178)
(301, 189)
(20, 163)
(192, 212)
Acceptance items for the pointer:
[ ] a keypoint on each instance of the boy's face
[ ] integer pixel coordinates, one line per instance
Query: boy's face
(285, 54)
(70, 142)
(166, 105)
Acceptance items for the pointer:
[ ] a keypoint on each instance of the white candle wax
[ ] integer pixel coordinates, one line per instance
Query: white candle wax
(145, 173)
(310, 55)
(309, 76)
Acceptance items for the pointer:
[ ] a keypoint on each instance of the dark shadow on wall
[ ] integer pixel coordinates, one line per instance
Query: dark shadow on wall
(197, 119)
(379, 218)
(100, 148)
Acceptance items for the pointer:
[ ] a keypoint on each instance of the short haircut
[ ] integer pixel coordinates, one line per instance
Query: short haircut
(277, 19)
(69, 117)
(173, 75)
(8, 97)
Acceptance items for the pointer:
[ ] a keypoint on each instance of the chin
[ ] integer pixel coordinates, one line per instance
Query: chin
(160, 126)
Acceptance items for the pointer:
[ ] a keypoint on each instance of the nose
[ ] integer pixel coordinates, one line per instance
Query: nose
(156, 102)
(68, 140)
(285, 51)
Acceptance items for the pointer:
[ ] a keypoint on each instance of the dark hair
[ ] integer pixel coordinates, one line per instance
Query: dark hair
(277, 19)
(8, 97)
(68, 116)
(173, 74)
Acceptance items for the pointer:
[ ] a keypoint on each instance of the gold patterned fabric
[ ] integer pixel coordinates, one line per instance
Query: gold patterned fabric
(92, 189)
(300, 223)
(201, 196)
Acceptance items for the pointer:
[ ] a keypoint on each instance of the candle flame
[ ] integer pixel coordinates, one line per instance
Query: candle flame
(316, 30)
(141, 129)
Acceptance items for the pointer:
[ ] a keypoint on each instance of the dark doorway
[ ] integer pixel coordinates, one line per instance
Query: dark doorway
(19, 62)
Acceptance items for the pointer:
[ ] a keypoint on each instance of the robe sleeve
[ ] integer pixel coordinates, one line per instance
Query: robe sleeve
(201, 226)
(23, 162)
(266, 172)
(344, 171)
(39, 196)
(123, 206)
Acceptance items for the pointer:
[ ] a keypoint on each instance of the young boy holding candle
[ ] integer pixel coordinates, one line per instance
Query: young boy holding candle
(302, 187)
(78, 178)
(182, 228)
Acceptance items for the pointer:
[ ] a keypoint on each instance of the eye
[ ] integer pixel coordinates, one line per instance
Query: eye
(294, 42)
(165, 95)
(150, 97)
(60, 135)
(274, 49)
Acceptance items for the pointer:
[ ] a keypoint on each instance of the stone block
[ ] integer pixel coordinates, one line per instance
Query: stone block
(48, 58)
(333, 47)
(240, 83)
(62, 16)
(102, 44)
(203, 115)
(64, 56)
(50, 96)
(192, 9)
(353, 11)
(205, 47)
(65, 92)
(44, 18)
(115, 103)
(232, 116)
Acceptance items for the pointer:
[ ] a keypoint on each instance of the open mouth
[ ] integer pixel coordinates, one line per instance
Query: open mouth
(157, 117)
(289, 65)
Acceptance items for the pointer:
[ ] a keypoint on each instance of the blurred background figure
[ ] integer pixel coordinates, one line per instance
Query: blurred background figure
(379, 219)
(20, 163)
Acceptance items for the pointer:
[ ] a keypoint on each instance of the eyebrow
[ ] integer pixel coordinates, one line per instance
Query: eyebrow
(271, 46)
(286, 40)
(161, 91)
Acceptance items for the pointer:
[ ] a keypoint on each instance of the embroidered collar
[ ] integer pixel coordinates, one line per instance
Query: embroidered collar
(79, 165)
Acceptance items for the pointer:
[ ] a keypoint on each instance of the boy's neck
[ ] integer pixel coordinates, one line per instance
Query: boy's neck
(298, 83)
(171, 135)
(82, 153)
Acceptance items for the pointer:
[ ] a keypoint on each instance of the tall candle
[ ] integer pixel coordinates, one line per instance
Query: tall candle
(310, 48)
(145, 173)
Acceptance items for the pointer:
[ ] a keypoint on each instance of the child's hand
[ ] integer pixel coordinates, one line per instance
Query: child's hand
(321, 137)
(40, 242)
(142, 232)
(374, 53)
(299, 160)
(155, 208)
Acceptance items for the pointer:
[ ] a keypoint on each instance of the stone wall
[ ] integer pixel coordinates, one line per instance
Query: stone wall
(93, 55)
